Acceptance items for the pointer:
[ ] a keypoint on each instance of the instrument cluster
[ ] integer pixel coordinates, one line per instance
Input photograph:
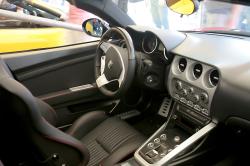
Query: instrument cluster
(152, 45)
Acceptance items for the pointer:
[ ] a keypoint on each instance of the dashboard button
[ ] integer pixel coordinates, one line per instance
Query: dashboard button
(177, 139)
(149, 79)
(176, 96)
(151, 145)
(152, 153)
(190, 90)
(196, 98)
(163, 137)
(184, 92)
(163, 154)
(197, 107)
(183, 100)
(157, 140)
(178, 85)
(204, 111)
(190, 103)
(204, 98)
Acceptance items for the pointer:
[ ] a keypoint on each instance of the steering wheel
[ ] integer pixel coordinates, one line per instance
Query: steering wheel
(114, 64)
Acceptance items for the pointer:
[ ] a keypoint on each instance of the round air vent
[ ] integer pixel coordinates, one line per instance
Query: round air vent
(182, 64)
(214, 77)
(197, 70)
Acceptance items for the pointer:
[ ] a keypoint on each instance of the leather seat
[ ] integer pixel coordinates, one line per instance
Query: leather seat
(109, 140)
(94, 139)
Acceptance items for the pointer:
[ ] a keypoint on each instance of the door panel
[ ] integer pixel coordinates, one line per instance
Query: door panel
(44, 72)
(62, 77)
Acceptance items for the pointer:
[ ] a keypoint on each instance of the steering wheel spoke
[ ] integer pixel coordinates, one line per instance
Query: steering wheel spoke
(102, 80)
(103, 58)
(105, 46)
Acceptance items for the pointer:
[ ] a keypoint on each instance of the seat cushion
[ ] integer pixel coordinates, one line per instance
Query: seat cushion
(110, 141)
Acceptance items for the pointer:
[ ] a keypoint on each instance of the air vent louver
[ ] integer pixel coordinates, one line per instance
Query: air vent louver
(214, 77)
(197, 70)
(182, 64)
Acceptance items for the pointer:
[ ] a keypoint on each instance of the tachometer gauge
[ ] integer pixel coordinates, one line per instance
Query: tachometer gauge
(149, 43)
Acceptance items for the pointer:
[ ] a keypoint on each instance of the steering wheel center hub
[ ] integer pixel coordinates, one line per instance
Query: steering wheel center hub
(113, 64)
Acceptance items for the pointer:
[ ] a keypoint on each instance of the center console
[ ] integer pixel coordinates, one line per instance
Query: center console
(191, 85)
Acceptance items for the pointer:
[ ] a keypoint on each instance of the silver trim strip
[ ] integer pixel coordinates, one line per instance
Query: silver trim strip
(82, 87)
(39, 20)
(187, 143)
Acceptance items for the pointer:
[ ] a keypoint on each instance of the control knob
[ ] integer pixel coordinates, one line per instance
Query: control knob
(190, 90)
(204, 98)
(178, 85)
(163, 137)
(196, 98)
(151, 145)
(184, 92)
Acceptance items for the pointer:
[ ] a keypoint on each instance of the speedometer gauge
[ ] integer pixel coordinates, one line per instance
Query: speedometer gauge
(149, 43)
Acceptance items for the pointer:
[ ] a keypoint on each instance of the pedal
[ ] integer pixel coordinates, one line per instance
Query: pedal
(129, 114)
(165, 107)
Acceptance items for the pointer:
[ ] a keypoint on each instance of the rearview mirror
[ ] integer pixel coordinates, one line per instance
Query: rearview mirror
(184, 7)
(94, 27)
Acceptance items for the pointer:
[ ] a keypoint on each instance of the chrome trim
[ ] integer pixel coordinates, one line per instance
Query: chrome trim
(193, 66)
(209, 78)
(82, 87)
(39, 20)
(171, 155)
(64, 126)
(150, 52)
(117, 102)
(165, 54)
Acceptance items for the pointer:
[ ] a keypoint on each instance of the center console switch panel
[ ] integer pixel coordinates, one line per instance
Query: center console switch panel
(191, 96)
(193, 83)
(180, 127)
(175, 137)
(162, 144)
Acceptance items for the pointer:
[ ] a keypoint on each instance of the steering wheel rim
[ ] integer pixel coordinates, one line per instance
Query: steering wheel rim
(120, 56)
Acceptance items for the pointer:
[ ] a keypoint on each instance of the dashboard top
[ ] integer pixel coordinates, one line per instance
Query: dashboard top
(228, 53)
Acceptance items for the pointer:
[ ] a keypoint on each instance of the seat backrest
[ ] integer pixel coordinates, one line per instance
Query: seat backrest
(23, 126)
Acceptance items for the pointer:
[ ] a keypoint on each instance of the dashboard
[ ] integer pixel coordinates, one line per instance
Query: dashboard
(207, 72)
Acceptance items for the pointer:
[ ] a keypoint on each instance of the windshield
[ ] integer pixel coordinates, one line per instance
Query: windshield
(211, 16)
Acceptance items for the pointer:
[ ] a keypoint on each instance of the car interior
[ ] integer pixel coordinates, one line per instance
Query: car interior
(138, 96)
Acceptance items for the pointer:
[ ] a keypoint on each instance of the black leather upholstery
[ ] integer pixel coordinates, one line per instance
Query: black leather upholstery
(109, 140)
(45, 138)
(48, 113)
(93, 139)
